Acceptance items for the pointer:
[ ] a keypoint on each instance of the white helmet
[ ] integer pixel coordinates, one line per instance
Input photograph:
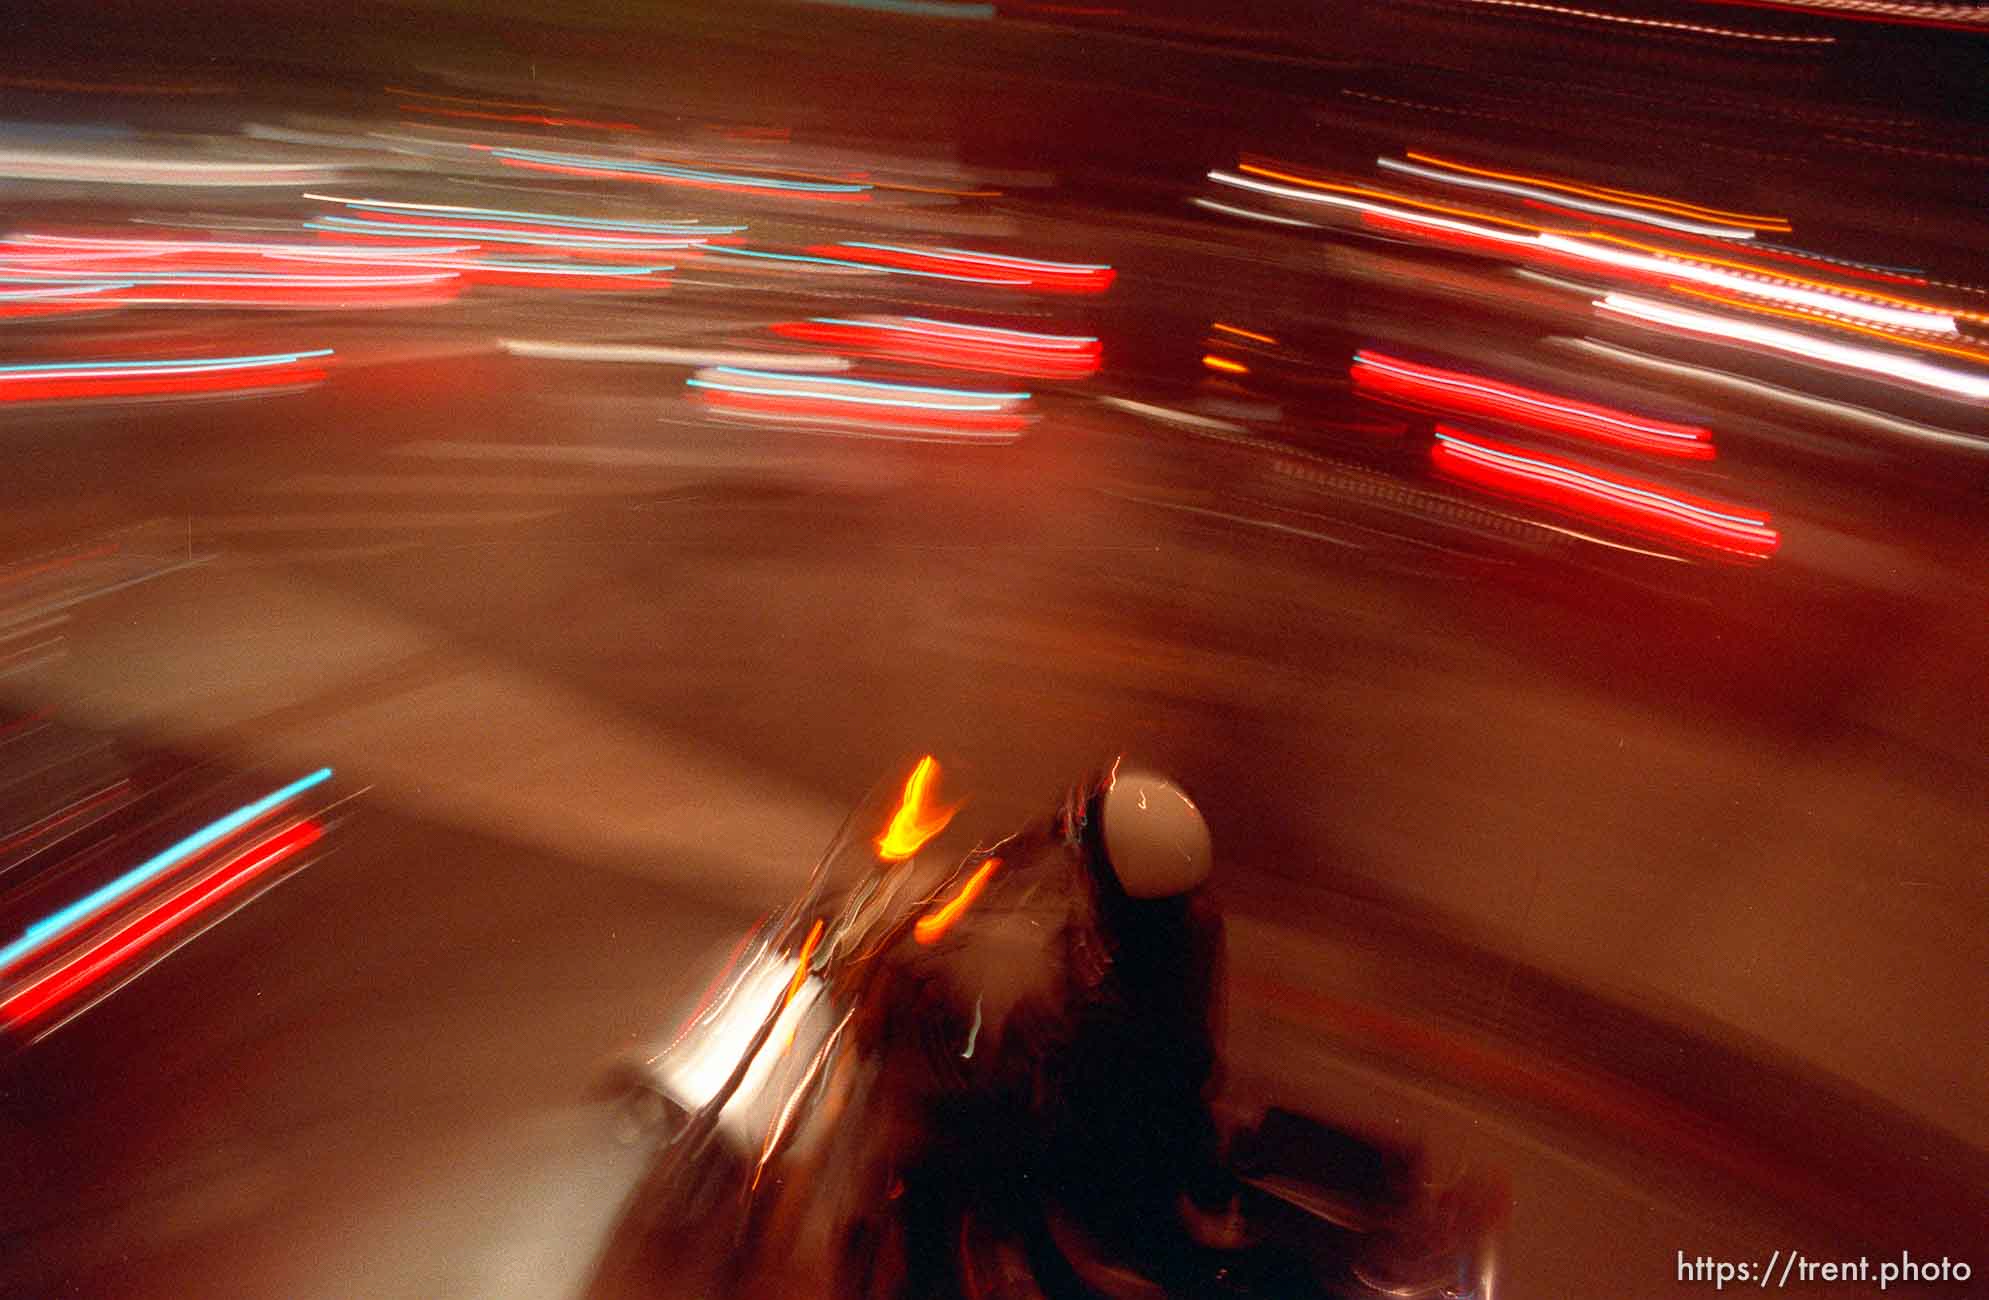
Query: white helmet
(1154, 837)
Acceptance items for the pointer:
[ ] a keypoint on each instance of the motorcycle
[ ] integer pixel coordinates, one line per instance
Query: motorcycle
(771, 1169)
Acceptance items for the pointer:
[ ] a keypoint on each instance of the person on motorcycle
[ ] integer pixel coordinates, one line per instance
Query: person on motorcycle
(1046, 1033)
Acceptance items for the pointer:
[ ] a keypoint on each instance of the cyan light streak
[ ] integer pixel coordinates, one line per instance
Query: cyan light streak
(195, 363)
(97, 900)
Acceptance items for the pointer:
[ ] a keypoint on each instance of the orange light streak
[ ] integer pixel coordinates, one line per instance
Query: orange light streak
(1768, 273)
(1816, 318)
(1388, 196)
(1243, 333)
(795, 985)
(931, 927)
(1654, 202)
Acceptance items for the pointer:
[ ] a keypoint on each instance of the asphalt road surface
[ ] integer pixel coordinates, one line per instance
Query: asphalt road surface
(1652, 886)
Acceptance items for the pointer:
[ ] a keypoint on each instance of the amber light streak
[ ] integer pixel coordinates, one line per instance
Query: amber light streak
(1244, 334)
(1780, 288)
(800, 980)
(1970, 385)
(1631, 198)
(1799, 281)
(1809, 317)
(1389, 196)
(931, 927)
(1214, 362)
(1029, 272)
(916, 820)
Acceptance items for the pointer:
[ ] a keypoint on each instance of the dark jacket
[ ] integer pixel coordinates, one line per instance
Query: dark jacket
(1053, 1033)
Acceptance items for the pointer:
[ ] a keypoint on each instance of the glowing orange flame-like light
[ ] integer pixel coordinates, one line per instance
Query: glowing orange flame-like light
(916, 820)
(929, 928)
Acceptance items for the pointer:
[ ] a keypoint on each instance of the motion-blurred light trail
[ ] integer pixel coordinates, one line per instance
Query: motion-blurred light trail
(667, 174)
(1835, 321)
(1972, 386)
(1956, 17)
(111, 169)
(38, 381)
(632, 354)
(1477, 228)
(511, 216)
(1067, 277)
(1810, 403)
(1232, 211)
(1835, 290)
(932, 927)
(1615, 198)
(849, 264)
(868, 406)
(1658, 24)
(488, 234)
(89, 966)
(1603, 495)
(52, 926)
(953, 345)
(1476, 395)
(1754, 285)
(739, 379)
(1585, 205)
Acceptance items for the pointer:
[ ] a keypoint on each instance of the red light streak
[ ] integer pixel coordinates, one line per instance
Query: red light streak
(1471, 394)
(35, 830)
(60, 387)
(801, 406)
(1054, 277)
(1406, 225)
(23, 572)
(25, 723)
(59, 306)
(1599, 494)
(954, 347)
(85, 968)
